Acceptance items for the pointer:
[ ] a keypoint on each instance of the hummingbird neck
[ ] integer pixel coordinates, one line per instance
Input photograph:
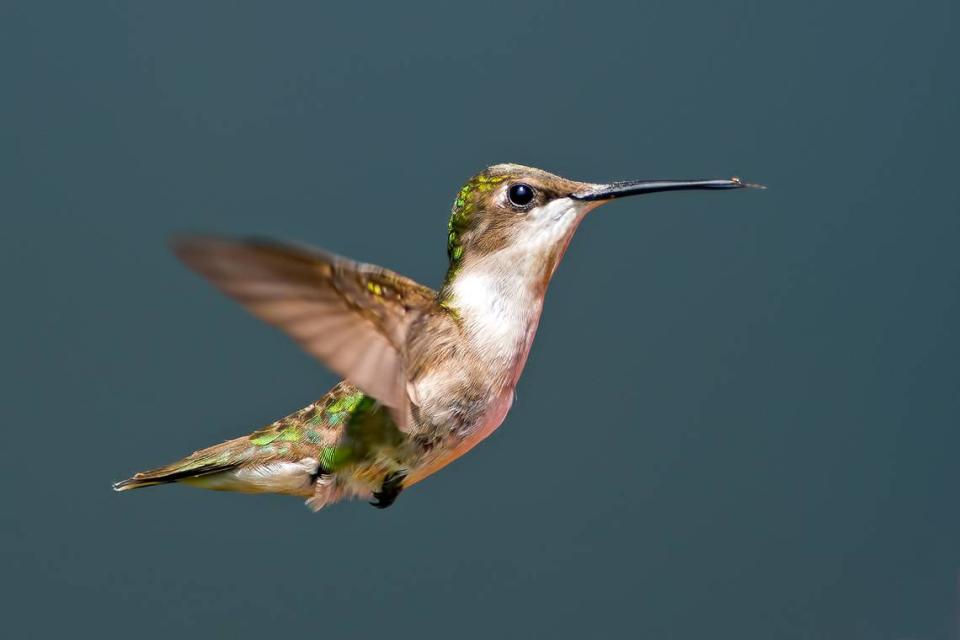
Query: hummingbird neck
(497, 281)
(498, 298)
(498, 310)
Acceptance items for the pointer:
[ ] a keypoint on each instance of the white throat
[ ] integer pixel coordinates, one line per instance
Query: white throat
(500, 296)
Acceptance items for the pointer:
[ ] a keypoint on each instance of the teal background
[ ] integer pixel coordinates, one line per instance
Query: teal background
(740, 416)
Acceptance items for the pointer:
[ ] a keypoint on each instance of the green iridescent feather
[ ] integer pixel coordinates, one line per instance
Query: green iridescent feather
(464, 207)
(363, 429)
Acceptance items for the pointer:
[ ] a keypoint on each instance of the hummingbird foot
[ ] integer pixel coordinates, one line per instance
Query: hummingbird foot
(325, 489)
(322, 476)
(389, 490)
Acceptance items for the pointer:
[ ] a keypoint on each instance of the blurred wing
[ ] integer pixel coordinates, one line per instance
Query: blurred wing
(352, 316)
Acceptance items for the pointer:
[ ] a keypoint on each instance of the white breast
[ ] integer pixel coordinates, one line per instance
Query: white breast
(497, 309)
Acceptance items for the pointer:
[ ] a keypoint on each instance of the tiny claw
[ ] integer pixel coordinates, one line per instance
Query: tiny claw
(391, 488)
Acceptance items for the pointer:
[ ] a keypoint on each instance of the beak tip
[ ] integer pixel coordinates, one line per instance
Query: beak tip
(747, 185)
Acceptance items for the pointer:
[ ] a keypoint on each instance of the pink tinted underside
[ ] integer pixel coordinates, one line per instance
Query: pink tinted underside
(493, 419)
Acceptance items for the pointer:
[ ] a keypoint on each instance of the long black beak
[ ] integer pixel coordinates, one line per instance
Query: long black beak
(636, 187)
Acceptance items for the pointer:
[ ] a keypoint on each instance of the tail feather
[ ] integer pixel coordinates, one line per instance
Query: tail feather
(136, 483)
(216, 459)
(167, 475)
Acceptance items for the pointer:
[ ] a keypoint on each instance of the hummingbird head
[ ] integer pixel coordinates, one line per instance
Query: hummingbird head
(514, 217)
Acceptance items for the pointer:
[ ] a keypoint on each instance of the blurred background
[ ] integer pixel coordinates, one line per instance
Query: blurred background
(740, 416)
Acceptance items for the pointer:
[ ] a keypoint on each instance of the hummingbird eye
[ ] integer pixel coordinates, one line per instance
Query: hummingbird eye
(520, 195)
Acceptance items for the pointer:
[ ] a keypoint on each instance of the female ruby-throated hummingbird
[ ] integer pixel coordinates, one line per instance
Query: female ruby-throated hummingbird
(427, 375)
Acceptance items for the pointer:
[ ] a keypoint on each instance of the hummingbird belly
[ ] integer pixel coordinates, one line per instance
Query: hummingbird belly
(491, 419)
(515, 360)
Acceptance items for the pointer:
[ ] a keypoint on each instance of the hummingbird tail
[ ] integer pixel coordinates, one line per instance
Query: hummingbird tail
(167, 475)
(237, 465)
(200, 464)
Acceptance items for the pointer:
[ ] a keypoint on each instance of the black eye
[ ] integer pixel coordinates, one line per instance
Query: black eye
(520, 195)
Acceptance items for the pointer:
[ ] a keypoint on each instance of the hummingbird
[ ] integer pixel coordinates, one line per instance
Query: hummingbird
(427, 374)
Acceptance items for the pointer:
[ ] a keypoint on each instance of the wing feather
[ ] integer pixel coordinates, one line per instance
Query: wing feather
(352, 316)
